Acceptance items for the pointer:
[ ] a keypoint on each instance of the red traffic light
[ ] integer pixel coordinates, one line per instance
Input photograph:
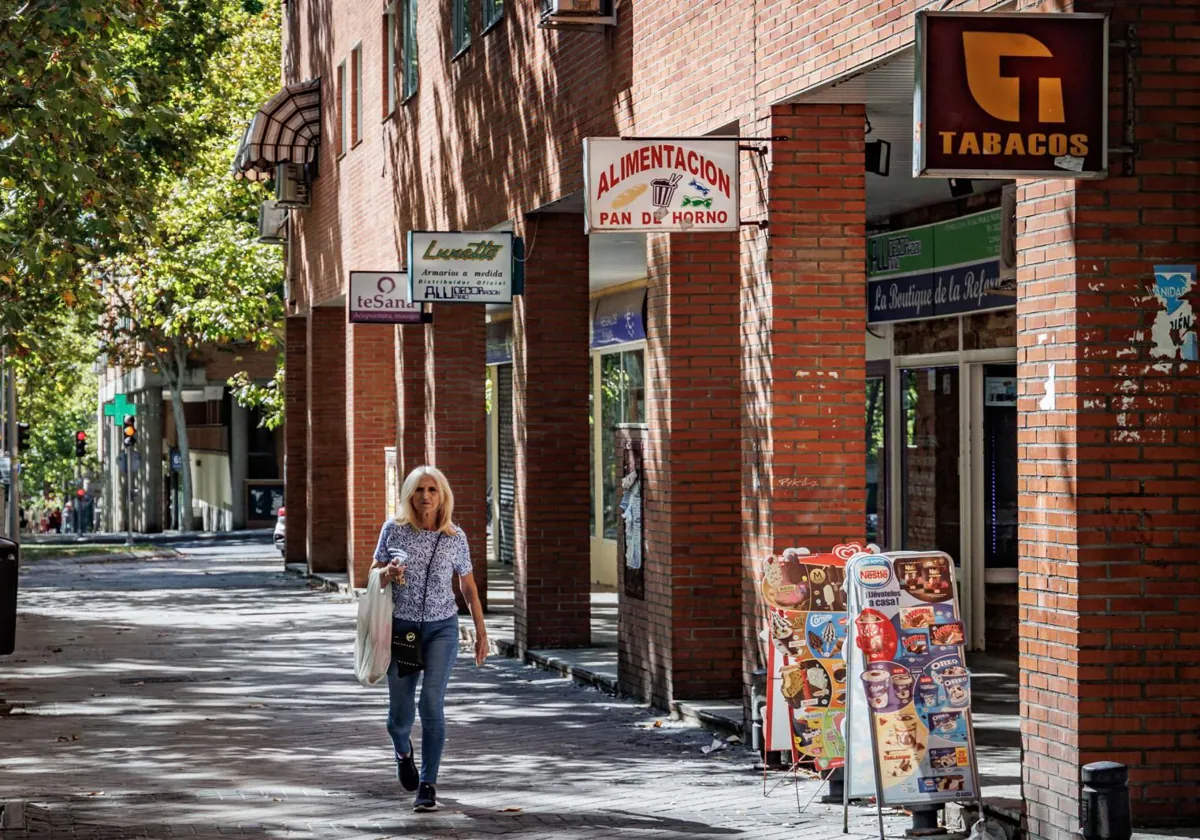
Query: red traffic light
(81, 436)
(79, 493)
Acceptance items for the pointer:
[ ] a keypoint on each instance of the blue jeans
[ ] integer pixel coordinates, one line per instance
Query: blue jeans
(439, 647)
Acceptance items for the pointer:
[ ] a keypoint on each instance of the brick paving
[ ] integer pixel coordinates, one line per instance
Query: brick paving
(212, 695)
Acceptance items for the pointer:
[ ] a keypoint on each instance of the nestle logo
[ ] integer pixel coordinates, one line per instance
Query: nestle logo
(875, 572)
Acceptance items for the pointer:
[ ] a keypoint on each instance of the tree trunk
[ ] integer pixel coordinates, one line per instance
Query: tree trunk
(185, 506)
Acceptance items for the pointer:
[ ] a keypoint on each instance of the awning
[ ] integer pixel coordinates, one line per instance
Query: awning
(286, 129)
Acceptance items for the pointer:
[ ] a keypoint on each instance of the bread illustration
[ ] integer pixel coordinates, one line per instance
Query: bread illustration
(627, 197)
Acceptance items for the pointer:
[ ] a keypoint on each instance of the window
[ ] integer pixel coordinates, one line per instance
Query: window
(342, 110)
(389, 60)
(493, 10)
(622, 401)
(460, 24)
(410, 48)
(356, 95)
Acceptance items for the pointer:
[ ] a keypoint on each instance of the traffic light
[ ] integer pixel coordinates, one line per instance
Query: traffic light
(80, 444)
(129, 431)
(22, 436)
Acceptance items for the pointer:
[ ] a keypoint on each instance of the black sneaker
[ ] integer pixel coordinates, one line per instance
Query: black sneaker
(406, 770)
(426, 798)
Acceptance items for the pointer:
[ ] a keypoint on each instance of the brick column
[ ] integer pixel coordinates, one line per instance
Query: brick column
(371, 410)
(552, 567)
(410, 398)
(804, 348)
(295, 439)
(327, 422)
(1109, 483)
(684, 640)
(456, 419)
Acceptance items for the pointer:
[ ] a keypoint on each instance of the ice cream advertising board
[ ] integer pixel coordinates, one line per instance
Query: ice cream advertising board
(661, 184)
(806, 673)
(909, 714)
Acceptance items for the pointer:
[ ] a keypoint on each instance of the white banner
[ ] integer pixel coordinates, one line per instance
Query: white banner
(460, 267)
(660, 185)
(381, 297)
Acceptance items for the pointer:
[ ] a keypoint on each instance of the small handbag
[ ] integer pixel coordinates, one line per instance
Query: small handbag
(406, 646)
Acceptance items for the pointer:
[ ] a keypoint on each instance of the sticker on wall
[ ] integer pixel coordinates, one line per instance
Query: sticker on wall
(1174, 329)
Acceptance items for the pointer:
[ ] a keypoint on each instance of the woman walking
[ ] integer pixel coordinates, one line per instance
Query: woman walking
(419, 550)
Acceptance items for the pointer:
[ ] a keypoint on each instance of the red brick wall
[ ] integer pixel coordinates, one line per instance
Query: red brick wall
(456, 419)
(371, 410)
(551, 381)
(804, 353)
(296, 438)
(410, 398)
(1109, 483)
(684, 640)
(327, 463)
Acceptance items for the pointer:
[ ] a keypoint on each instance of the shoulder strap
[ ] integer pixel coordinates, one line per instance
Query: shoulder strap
(428, 575)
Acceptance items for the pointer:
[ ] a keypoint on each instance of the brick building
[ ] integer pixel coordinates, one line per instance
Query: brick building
(1049, 443)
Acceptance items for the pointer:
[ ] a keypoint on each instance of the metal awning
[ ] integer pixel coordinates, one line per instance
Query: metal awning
(286, 129)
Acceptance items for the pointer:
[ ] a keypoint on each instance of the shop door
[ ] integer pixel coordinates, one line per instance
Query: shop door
(994, 507)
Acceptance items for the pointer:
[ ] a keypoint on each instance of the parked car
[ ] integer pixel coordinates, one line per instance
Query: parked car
(280, 531)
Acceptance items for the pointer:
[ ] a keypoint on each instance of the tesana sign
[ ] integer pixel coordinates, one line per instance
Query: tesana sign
(660, 185)
(381, 297)
(1011, 95)
(459, 267)
(910, 738)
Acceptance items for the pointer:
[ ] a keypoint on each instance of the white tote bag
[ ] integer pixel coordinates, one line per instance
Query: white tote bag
(373, 644)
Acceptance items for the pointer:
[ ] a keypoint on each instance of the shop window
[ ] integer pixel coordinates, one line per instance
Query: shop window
(409, 14)
(1000, 466)
(989, 330)
(876, 459)
(460, 34)
(622, 401)
(937, 335)
(493, 11)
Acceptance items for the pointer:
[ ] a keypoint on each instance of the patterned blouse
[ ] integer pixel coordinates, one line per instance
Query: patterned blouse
(453, 555)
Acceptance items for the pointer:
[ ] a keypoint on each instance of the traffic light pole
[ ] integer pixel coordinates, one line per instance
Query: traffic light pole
(14, 486)
(128, 496)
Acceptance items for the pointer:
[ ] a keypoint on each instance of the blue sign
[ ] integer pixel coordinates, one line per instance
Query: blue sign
(176, 460)
(944, 291)
(618, 319)
(1171, 283)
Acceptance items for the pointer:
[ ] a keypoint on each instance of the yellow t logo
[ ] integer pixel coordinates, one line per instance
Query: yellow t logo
(1000, 95)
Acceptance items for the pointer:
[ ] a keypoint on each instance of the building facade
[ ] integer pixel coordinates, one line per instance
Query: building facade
(1048, 441)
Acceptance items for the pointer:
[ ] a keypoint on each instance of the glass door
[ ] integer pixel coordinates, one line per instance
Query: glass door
(929, 460)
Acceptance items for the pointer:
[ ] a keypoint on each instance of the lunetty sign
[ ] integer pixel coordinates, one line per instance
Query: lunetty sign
(381, 297)
(1011, 95)
(947, 268)
(456, 267)
(660, 185)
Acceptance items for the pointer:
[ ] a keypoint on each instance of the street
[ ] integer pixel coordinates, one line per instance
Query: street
(213, 695)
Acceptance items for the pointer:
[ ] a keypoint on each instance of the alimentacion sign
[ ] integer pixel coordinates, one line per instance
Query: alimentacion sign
(661, 184)
(1007, 95)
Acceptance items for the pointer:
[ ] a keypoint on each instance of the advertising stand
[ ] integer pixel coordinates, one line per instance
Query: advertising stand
(909, 735)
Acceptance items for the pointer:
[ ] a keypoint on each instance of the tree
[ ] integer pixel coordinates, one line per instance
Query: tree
(198, 276)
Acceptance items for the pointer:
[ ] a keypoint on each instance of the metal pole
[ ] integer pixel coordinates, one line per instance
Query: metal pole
(14, 495)
(128, 497)
(4, 491)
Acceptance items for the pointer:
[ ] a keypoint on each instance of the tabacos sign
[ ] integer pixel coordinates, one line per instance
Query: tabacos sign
(660, 185)
(1011, 95)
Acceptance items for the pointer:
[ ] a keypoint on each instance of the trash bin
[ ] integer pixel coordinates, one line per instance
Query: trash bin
(9, 552)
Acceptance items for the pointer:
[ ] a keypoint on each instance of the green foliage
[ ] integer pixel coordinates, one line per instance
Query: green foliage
(267, 398)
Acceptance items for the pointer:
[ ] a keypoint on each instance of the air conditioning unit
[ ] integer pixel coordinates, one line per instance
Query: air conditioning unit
(272, 223)
(557, 13)
(292, 185)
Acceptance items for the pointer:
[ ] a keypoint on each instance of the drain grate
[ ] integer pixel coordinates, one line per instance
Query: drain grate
(153, 680)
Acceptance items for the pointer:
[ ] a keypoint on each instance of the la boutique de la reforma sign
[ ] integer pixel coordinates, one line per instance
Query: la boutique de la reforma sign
(460, 267)
(1011, 95)
(381, 297)
(660, 185)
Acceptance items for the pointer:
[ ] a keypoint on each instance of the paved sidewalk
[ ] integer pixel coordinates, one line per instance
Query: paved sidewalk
(210, 695)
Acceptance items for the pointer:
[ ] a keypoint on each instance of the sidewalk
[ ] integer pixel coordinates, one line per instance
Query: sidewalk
(208, 695)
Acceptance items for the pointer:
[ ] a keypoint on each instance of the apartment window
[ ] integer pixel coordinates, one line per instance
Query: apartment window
(461, 34)
(356, 131)
(493, 10)
(409, 14)
(389, 60)
(343, 139)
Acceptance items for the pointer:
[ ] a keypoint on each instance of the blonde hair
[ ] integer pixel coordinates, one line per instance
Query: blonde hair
(445, 513)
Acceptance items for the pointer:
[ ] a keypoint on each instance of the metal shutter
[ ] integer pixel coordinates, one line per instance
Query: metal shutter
(508, 465)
